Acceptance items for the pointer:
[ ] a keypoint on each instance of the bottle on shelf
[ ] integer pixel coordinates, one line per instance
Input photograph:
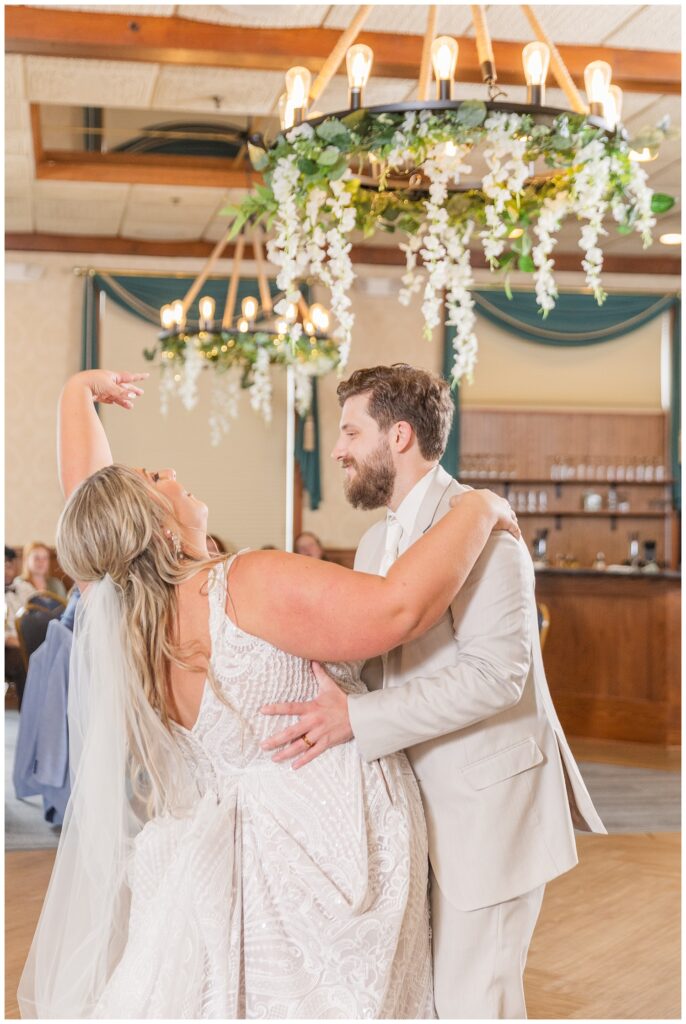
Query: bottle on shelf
(600, 564)
(540, 548)
(650, 556)
(634, 559)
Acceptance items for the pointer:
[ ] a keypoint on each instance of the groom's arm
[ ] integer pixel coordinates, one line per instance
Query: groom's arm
(492, 620)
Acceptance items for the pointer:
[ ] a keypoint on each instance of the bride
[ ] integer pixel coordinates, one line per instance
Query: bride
(196, 877)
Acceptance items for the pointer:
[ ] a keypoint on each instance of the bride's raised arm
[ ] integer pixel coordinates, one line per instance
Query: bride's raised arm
(319, 610)
(82, 445)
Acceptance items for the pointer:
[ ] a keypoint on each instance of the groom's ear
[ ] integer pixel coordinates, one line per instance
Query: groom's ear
(402, 436)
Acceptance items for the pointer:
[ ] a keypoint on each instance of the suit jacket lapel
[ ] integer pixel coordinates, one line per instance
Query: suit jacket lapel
(429, 507)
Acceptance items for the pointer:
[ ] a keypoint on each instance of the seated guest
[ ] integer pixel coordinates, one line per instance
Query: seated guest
(33, 577)
(309, 544)
(11, 567)
(41, 763)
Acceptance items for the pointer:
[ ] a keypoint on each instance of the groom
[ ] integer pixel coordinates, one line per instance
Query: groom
(468, 701)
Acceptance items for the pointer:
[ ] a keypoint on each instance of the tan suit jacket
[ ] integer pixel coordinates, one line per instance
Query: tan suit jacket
(470, 703)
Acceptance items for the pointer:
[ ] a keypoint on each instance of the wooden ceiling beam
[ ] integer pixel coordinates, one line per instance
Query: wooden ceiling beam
(55, 32)
(144, 169)
(361, 254)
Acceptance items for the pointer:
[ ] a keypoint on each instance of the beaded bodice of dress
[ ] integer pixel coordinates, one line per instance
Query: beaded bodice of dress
(249, 672)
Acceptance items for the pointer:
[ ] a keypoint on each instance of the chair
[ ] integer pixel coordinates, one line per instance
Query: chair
(32, 620)
(543, 622)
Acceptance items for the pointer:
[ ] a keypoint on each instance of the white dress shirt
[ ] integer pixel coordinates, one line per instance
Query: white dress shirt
(408, 509)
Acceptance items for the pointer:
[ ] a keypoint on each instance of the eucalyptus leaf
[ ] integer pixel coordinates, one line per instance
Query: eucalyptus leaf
(236, 226)
(307, 166)
(338, 170)
(526, 264)
(471, 113)
(333, 131)
(661, 202)
(149, 354)
(328, 156)
(624, 229)
(563, 142)
(259, 157)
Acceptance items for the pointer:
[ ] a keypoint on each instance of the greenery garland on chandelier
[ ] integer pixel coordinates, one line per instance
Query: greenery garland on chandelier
(400, 171)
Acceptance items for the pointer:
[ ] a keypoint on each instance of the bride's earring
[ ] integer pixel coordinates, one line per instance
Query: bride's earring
(176, 543)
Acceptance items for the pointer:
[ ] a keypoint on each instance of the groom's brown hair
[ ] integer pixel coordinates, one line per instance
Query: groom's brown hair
(402, 392)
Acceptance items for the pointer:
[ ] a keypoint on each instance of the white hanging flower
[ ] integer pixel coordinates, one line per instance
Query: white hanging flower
(303, 389)
(223, 405)
(460, 304)
(553, 212)
(167, 386)
(642, 195)
(261, 387)
(504, 154)
(589, 194)
(285, 249)
(188, 386)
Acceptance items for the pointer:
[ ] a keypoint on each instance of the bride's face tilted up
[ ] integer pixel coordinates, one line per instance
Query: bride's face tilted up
(189, 514)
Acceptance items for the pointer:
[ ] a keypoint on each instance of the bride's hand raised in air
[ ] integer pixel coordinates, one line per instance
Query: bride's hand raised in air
(111, 387)
(506, 518)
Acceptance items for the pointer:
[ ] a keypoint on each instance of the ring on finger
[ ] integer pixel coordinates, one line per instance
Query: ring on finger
(307, 741)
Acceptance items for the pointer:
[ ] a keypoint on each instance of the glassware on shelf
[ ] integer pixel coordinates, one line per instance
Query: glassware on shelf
(555, 468)
(660, 471)
(641, 469)
(581, 468)
(621, 469)
(611, 471)
(650, 470)
(600, 564)
(520, 499)
(532, 502)
(543, 501)
(630, 474)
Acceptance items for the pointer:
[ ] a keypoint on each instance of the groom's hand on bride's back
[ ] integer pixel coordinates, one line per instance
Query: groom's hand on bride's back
(322, 723)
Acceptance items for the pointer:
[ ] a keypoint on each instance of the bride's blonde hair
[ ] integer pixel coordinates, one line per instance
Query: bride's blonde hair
(113, 524)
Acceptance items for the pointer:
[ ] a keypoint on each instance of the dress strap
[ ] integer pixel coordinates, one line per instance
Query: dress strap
(218, 591)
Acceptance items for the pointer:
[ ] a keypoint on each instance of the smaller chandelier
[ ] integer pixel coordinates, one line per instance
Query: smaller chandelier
(241, 344)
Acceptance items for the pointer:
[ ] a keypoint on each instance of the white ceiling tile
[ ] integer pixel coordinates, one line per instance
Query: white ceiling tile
(405, 19)
(241, 91)
(655, 27)
(92, 82)
(18, 142)
(179, 197)
(653, 111)
(18, 213)
(14, 77)
(564, 23)
(132, 227)
(87, 191)
(75, 218)
(17, 115)
(257, 15)
(18, 168)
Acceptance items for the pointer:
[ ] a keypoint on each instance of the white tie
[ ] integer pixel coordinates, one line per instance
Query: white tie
(394, 532)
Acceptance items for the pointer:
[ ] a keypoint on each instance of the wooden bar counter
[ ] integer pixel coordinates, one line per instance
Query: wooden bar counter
(612, 653)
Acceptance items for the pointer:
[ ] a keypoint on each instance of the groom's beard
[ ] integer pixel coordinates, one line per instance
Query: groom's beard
(373, 483)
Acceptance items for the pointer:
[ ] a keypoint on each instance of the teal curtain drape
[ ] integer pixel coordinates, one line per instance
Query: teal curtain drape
(577, 320)
(451, 455)
(307, 450)
(143, 295)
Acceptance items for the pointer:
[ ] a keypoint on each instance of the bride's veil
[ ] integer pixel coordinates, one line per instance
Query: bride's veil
(83, 925)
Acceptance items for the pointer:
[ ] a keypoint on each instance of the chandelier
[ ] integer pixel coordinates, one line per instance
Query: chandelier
(407, 169)
(240, 344)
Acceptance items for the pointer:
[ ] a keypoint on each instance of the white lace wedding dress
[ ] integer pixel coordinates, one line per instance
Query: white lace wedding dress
(286, 893)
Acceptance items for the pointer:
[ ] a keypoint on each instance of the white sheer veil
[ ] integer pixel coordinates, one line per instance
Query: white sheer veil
(83, 925)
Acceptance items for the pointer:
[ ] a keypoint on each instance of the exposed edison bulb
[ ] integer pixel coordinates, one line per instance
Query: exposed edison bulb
(359, 63)
(286, 114)
(206, 308)
(536, 59)
(643, 156)
(282, 326)
(167, 317)
(243, 325)
(291, 313)
(671, 238)
(612, 108)
(319, 316)
(444, 51)
(249, 307)
(298, 82)
(309, 327)
(597, 77)
(178, 312)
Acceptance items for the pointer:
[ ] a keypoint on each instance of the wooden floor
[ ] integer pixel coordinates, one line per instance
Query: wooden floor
(606, 945)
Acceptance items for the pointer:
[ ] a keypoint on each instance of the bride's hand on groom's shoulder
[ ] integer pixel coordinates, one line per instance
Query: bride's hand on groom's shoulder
(322, 723)
(499, 506)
